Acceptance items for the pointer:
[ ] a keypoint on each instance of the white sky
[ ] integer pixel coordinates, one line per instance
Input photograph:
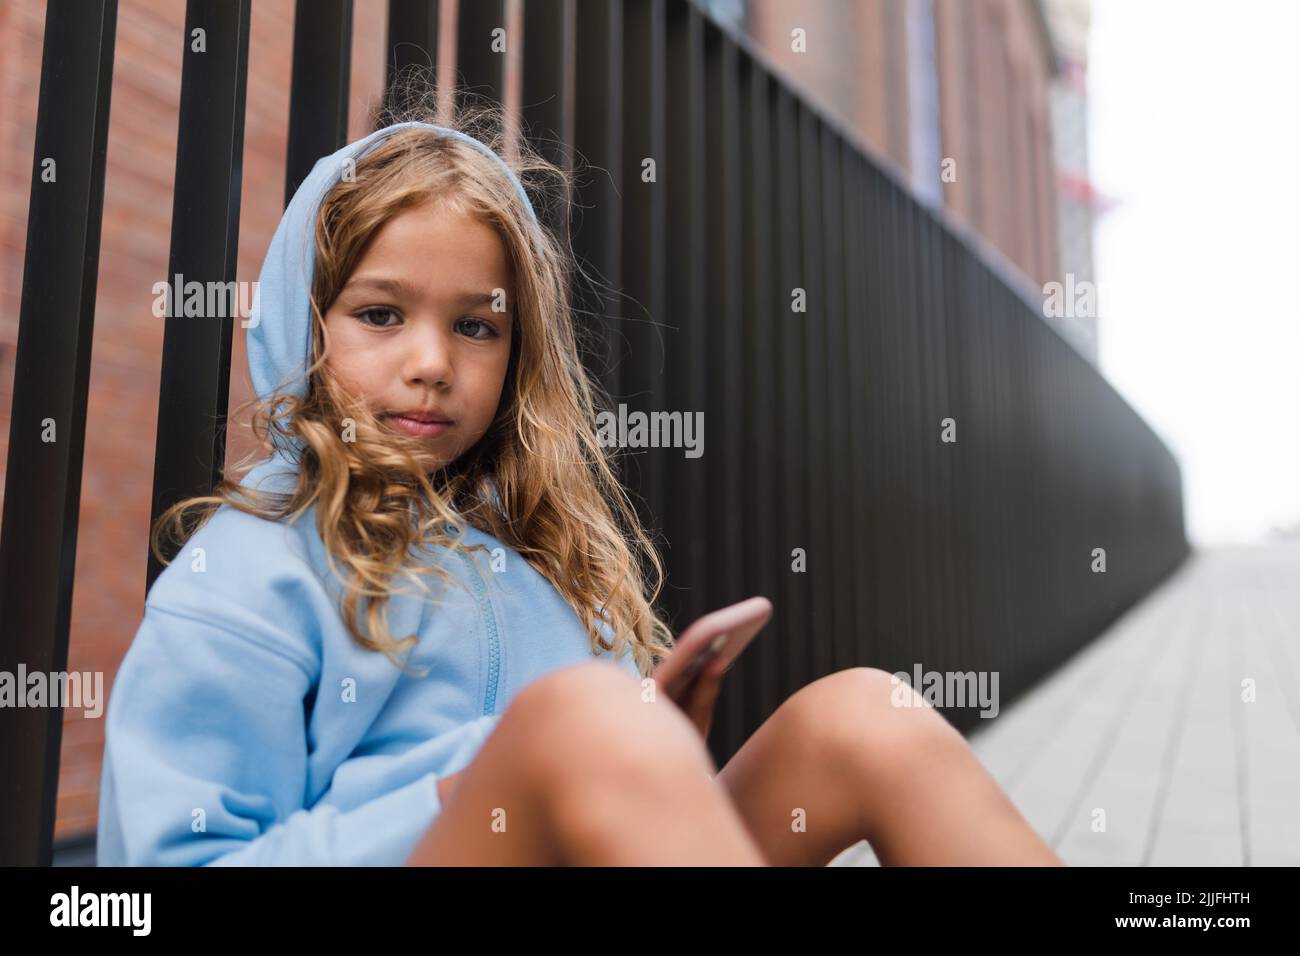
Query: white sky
(1194, 130)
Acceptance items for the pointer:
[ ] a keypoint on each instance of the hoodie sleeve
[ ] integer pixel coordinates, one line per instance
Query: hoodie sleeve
(206, 761)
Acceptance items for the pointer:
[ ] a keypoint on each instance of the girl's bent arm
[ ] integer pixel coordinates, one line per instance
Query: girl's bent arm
(206, 760)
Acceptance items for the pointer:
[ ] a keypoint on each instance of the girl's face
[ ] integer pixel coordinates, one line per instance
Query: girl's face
(414, 331)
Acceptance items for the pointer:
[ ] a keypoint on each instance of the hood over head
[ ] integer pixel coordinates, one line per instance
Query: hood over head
(279, 324)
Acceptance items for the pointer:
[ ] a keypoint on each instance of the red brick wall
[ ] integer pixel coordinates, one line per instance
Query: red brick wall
(993, 102)
(994, 88)
(854, 66)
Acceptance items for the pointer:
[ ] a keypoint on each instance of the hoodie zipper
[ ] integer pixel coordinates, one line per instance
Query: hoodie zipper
(494, 639)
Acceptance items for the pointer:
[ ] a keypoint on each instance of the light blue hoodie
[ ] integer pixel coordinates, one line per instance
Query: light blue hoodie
(246, 726)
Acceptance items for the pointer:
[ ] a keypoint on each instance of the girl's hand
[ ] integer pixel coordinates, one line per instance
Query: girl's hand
(701, 695)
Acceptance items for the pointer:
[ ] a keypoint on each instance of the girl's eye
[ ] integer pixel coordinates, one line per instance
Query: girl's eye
(488, 330)
(381, 312)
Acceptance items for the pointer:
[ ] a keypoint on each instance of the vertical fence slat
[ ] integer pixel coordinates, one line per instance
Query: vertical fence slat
(856, 435)
(412, 46)
(945, 541)
(931, 597)
(194, 390)
(318, 92)
(685, 326)
(815, 458)
(837, 511)
(481, 68)
(918, 434)
(792, 496)
(731, 524)
(872, 407)
(548, 75)
(597, 229)
(643, 305)
(955, 542)
(893, 459)
(765, 564)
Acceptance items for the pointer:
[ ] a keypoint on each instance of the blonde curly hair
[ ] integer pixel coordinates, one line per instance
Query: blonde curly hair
(539, 480)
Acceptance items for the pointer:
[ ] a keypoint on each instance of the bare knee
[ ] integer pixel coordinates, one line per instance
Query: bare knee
(867, 713)
(588, 736)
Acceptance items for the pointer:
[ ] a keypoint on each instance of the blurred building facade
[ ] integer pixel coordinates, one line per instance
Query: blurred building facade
(1078, 200)
(979, 105)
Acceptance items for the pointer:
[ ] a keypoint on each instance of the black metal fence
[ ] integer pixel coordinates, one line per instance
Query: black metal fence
(825, 483)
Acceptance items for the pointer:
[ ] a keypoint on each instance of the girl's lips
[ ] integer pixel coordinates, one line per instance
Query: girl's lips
(419, 429)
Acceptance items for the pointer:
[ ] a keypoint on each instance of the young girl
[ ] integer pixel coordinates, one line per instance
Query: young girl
(421, 630)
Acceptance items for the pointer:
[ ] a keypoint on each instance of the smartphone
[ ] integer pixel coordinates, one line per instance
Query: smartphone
(718, 635)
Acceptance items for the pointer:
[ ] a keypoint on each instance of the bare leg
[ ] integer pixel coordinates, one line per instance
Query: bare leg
(580, 771)
(838, 763)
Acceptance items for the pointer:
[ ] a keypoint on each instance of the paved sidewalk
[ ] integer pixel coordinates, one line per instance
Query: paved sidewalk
(1142, 751)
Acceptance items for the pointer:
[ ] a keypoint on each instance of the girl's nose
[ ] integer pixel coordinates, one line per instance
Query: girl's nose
(428, 359)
